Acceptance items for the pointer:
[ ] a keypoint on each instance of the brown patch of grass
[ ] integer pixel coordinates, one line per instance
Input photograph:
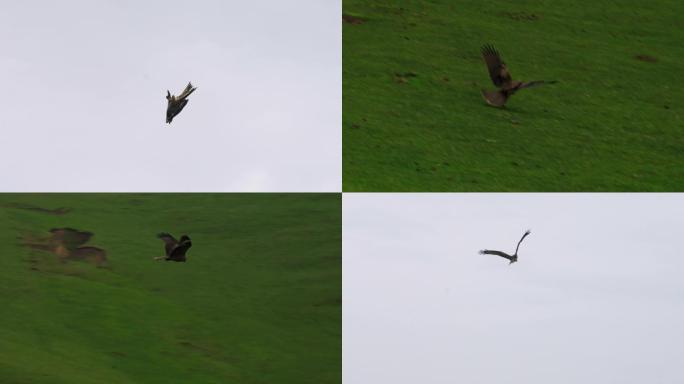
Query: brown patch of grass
(521, 16)
(349, 19)
(646, 58)
(28, 207)
(403, 78)
(67, 245)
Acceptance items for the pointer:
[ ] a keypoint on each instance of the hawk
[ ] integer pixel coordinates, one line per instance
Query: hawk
(177, 103)
(175, 249)
(511, 258)
(502, 79)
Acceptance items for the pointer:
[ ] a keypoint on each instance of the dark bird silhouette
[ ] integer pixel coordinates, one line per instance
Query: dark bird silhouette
(177, 103)
(175, 249)
(502, 79)
(511, 258)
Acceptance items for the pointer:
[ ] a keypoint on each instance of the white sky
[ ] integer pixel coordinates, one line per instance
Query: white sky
(596, 297)
(84, 86)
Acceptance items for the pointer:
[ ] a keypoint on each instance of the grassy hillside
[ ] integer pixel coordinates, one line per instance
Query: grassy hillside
(414, 119)
(259, 300)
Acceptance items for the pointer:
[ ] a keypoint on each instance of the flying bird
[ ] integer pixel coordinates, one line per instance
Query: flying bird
(177, 103)
(502, 79)
(511, 258)
(175, 249)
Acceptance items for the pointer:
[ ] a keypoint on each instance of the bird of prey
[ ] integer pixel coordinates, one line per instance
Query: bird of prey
(511, 258)
(177, 103)
(175, 249)
(502, 79)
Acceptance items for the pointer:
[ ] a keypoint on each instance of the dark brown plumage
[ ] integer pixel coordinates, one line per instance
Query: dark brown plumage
(501, 78)
(511, 258)
(177, 103)
(175, 249)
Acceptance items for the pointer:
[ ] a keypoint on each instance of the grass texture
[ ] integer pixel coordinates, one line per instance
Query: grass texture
(259, 300)
(414, 119)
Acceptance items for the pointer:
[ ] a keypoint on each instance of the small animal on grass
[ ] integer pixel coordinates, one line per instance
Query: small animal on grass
(177, 103)
(511, 258)
(175, 249)
(502, 79)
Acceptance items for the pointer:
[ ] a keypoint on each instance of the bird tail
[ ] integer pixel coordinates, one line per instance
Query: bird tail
(494, 98)
(187, 91)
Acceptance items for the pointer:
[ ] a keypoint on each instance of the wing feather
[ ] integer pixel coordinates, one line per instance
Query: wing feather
(521, 239)
(497, 253)
(497, 68)
(187, 91)
(536, 83)
(170, 242)
(178, 252)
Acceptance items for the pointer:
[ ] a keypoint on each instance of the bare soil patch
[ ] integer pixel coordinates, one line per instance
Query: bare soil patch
(67, 245)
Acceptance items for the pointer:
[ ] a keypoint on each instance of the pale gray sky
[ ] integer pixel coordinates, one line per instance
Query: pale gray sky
(83, 107)
(596, 297)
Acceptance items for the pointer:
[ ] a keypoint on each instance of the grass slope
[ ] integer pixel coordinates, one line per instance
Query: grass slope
(259, 300)
(414, 119)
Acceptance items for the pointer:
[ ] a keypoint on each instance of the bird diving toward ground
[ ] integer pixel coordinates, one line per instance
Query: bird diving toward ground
(511, 258)
(177, 103)
(502, 79)
(175, 249)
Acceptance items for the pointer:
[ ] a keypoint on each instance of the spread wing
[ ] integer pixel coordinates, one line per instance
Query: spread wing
(187, 91)
(521, 239)
(497, 253)
(170, 242)
(178, 252)
(497, 68)
(530, 84)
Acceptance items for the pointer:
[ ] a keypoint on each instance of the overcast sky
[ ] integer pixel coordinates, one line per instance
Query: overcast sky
(84, 86)
(597, 295)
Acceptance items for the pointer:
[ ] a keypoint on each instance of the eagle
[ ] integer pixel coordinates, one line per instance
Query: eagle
(177, 103)
(175, 249)
(511, 258)
(502, 79)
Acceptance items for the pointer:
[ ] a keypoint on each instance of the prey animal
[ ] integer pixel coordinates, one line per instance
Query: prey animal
(177, 103)
(498, 71)
(511, 258)
(175, 249)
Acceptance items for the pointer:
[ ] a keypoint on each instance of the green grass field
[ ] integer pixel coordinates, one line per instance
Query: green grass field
(414, 120)
(259, 300)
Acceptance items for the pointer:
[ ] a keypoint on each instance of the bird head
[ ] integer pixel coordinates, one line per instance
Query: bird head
(513, 260)
(184, 238)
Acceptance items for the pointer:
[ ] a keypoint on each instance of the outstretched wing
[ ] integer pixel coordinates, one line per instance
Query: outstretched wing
(187, 91)
(497, 253)
(535, 83)
(170, 242)
(521, 239)
(178, 252)
(497, 68)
